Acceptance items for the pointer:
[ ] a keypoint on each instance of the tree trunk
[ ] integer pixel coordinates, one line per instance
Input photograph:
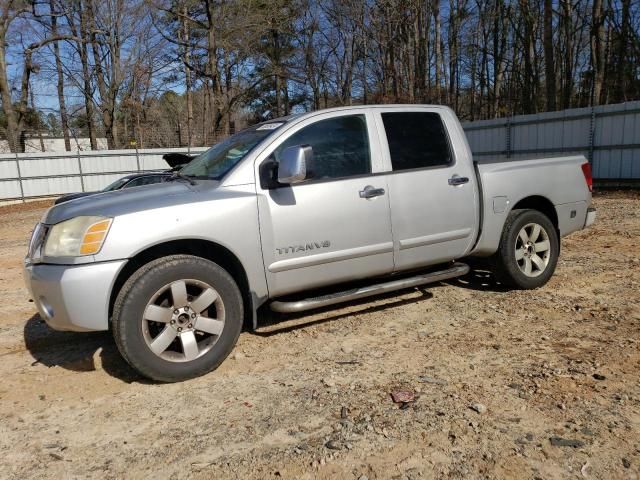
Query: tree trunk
(549, 64)
(37, 121)
(438, 50)
(212, 60)
(453, 53)
(567, 77)
(86, 78)
(13, 135)
(285, 92)
(597, 50)
(276, 87)
(88, 98)
(186, 38)
(108, 93)
(420, 56)
(528, 41)
(64, 118)
(500, 15)
(206, 103)
(623, 46)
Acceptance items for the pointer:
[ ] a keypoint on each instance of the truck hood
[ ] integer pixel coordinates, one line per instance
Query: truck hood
(122, 202)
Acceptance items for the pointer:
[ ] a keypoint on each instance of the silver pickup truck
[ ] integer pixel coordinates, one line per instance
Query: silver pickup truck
(288, 214)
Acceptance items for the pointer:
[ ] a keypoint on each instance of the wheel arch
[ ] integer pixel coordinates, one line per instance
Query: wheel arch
(199, 248)
(541, 204)
(493, 223)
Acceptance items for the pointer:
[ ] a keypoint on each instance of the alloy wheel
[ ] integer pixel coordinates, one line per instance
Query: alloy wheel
(532, 249)
(183, 320)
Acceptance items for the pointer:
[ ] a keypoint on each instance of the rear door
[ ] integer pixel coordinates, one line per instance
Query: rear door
(336, 225)
(432, 187)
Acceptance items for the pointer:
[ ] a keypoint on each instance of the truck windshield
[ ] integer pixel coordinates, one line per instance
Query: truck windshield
(222, 157)
(116, 185)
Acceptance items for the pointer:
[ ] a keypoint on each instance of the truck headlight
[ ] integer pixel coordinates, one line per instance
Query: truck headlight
(77, 237)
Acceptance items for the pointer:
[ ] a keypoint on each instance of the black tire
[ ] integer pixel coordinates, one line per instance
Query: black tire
(131, 304)
(507, 268)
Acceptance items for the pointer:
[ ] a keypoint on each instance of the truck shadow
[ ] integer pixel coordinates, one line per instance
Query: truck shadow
(480, 278)
(279, 323)
(86, 352)
(91, 351)
(80, 352)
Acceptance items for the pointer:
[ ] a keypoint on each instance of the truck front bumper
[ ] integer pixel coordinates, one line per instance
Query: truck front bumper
(73, 297)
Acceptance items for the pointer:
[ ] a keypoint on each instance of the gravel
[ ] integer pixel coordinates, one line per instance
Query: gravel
(309, 396)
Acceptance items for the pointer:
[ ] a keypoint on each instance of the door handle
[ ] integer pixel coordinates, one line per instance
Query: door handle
(457, 180)
(370, 192)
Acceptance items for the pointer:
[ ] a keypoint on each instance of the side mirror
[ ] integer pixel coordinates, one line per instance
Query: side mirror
(295, 164)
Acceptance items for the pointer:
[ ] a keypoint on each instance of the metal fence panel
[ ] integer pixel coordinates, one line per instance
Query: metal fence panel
(42, 167)
(10, 189)
(608, 135)
(39, 187)
(110, 163)
(31, 175)
(93, 183)
(575, 133)
(488, 140)
(8, 170)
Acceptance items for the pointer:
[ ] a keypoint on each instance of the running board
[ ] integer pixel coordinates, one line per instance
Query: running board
(456, 270)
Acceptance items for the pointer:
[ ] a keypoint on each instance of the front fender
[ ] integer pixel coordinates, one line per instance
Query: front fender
(230, 221)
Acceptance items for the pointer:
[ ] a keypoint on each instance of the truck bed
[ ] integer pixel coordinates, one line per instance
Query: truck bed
(555, 181)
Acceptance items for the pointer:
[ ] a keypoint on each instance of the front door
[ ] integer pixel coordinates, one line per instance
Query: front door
(336, 225)
(432, 189)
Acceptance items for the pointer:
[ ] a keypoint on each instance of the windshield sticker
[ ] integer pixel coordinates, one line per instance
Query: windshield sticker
(269, 126)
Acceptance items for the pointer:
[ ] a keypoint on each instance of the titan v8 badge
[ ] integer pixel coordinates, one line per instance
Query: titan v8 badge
(304, 248)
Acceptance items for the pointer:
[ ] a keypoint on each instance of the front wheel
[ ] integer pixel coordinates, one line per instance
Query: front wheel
(528, 251)
(177, 317)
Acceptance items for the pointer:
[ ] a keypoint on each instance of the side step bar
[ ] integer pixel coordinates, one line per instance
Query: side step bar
(456, 270)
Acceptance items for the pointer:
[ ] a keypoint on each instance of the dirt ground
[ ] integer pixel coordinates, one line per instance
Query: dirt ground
(556, 370)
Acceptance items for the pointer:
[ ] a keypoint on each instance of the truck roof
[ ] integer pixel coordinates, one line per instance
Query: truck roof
(295, 116)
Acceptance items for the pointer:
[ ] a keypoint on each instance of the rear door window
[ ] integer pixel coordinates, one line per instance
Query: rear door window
(416, 140)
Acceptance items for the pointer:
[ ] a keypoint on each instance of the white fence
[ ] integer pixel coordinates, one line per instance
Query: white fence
(31, 175)
(609, 136)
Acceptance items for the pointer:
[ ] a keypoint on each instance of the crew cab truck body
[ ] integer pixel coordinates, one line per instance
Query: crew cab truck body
(384, 194)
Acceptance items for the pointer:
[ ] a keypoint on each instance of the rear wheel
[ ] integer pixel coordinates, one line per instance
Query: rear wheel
(177, 317)
(528, 251)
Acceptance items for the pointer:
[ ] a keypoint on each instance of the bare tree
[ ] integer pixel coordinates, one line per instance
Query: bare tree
(185, 72)
(64, 117)
(598, 45)
(549, 62)
(15, 111)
